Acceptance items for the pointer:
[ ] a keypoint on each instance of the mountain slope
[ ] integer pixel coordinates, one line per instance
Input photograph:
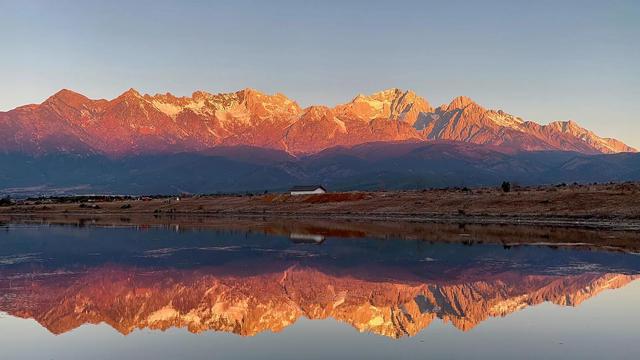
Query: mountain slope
(465, 120)
(373, 166)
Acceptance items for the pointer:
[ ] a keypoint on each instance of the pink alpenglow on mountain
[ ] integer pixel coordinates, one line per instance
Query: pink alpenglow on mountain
(137, 124)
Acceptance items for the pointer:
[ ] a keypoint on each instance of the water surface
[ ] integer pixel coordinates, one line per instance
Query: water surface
(119, 292)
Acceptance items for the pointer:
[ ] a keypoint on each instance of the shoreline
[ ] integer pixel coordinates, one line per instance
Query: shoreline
(467, 233)
(615, 224)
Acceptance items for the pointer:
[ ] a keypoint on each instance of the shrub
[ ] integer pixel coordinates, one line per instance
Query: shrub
(506, 186)
(6, 201)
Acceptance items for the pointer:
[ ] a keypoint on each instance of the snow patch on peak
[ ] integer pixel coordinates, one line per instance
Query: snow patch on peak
(378, 100)
(174, 108)
(501, 118)
(341, 125)
(388, 94)
(374, 103)
(169, 109)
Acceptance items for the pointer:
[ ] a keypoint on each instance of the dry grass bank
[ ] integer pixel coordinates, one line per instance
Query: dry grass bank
(615, 206)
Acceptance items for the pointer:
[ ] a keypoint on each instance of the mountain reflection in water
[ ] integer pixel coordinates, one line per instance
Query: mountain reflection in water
(247, 283)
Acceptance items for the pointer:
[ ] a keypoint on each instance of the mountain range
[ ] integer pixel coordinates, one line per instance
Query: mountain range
(141, 124)
(248, 140)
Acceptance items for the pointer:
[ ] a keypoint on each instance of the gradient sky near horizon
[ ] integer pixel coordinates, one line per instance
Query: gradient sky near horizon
(542, 60)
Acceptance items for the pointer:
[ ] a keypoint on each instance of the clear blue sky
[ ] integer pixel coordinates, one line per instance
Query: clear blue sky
(542, 60)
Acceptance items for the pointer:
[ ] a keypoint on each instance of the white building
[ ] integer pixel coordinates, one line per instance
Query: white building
(307, 190)
(306, 238)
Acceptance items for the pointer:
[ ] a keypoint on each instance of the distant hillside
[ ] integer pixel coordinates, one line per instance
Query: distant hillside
(382, 165)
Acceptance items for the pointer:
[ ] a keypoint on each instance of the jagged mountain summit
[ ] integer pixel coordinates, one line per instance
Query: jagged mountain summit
(134, 123)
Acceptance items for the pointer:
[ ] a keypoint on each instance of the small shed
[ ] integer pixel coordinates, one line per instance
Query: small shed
(307, 190)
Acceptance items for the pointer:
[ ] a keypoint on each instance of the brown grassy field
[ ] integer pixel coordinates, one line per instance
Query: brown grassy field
(612, 206)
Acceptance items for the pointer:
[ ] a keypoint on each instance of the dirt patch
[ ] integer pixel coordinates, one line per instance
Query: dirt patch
(335, 197)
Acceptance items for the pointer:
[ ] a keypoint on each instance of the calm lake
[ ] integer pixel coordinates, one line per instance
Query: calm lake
(132, 292)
